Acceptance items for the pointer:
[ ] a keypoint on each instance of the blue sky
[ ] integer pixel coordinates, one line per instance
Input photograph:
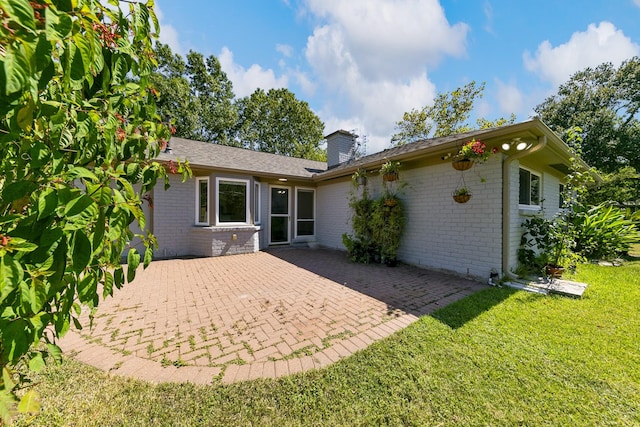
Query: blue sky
(360, 64)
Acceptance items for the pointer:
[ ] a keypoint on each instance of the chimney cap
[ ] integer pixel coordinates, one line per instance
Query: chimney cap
(343, 132)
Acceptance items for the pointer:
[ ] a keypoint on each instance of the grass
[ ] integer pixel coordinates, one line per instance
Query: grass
(499, 357)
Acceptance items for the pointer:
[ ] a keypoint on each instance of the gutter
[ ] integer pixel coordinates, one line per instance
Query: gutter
(506, 201)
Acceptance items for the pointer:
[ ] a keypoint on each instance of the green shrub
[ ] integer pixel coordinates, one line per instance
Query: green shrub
(603, 232)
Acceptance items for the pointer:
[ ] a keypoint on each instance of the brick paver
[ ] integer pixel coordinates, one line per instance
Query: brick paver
(266, 314)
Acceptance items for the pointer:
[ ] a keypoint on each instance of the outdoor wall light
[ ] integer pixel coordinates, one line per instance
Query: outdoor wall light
(521, 146)
(506, 146)
(282, 179)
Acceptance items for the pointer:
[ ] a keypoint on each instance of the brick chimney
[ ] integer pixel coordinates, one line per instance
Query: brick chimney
(340, 147)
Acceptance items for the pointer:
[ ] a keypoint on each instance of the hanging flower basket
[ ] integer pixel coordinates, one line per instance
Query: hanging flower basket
(462, 164)
(461, 195)
(461, 198)
(391, 202)
(390, 176)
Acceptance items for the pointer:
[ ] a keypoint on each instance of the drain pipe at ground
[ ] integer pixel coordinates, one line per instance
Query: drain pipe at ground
(506, 203)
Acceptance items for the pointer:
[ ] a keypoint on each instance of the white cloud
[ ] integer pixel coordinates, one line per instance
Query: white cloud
(510, 99)
(285, 50)
(168, 34)
(372, 57)
(247, 80)
(600, 43)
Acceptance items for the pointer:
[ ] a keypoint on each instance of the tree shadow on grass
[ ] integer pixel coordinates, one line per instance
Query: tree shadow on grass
(457, 314)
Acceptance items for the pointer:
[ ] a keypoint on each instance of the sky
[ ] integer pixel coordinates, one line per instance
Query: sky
(360, 64)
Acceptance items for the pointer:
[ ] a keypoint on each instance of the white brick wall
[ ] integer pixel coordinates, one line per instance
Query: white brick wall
(332, 213)
(440, 233)
(173, 217)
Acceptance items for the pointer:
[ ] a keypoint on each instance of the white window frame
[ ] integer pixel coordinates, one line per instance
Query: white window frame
(247, 200)
(540, 196)
(257, 202)
(295, 210)
(197, 216)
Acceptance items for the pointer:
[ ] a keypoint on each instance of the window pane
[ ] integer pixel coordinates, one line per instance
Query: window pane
(279, 201)
(305, 228)
(535, 189)
(279, 229)
(203, 201)
(561, 196)
(525, 186)
(305, 204)
(232, 199)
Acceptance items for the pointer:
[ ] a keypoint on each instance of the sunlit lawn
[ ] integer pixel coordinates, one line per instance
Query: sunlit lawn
(499, 357)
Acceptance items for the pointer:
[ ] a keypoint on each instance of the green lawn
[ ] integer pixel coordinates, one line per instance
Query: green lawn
(500, 357)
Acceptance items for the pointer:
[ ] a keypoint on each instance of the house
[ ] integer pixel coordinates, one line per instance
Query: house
(241, 201)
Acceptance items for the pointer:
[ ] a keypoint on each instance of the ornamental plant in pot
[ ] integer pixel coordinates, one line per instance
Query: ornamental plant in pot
(461, 195)
(472, 152)
(389, 171)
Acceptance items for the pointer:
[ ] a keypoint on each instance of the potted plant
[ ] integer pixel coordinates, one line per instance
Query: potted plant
(472, 152)
(389, 171)
(359, 178)
(462, 195)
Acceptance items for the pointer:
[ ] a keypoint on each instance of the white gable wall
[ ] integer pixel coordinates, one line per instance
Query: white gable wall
(442, 234)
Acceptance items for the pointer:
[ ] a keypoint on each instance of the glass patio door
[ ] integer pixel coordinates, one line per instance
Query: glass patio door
(279, 216)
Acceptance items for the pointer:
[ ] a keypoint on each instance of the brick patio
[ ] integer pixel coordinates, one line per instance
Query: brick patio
(266, 314)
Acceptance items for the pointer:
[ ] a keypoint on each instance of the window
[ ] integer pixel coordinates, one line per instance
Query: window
(561, 196)
(202, 201)
(232, 201)
(256, 203)
(305, 212)
(529, 188)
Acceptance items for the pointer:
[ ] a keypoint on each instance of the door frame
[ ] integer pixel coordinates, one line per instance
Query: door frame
(287, 215)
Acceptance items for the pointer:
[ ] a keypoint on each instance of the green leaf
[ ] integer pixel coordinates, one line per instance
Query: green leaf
(77, 172)
(11, 274)
(87, 288)
(78, 205)
(30, 402)
(148, 257)
(21, 245)
(16, 68)
(54, 352)
(57, 27)
(36, 363)
(7, 402)
(47, 202)
(84, 48)
(81, 251)
(107, 287)
(21, 11)
(133, 261)
(16, 337)
(17, 190)
(25, 117)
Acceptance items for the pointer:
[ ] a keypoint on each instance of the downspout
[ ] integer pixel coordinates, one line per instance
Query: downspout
(506, 201)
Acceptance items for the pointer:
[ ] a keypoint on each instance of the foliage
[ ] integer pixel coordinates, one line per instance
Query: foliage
(603, 232)
(476, 151)
(195, 95)
(78, 129)
(476, 362)
(276, 122)
(390, 167)
(377, 226)
(604, 102)
(359, 177)
(447, 116)
(547, 242)
(620, 187)
(462, 191)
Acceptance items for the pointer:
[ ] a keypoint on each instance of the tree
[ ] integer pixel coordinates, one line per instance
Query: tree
(276, 122)
(197, 96)
(78, 134)
(447, 116)
(605, 103)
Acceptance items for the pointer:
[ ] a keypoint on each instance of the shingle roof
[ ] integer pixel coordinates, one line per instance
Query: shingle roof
(215, 156)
